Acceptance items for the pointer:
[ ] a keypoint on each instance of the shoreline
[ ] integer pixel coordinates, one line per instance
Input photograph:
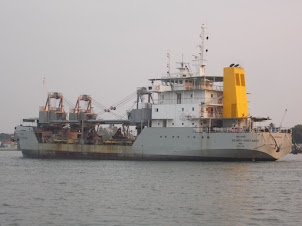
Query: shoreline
(9, 149)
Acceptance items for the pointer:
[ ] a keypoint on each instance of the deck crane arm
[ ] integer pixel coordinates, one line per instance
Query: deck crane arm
(283, 118)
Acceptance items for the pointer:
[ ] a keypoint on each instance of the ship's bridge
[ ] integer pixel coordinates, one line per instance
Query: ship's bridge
(178, 83)
(181, 99)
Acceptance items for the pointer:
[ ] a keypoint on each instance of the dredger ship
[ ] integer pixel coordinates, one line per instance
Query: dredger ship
(186, 116)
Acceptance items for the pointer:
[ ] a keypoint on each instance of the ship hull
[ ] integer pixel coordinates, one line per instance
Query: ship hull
(253, 156)
(175, 144)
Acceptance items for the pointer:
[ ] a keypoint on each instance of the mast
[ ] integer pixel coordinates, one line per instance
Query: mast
(202, 46)
(44, 90)
(168, 63)
(202, 50)
(200, 58)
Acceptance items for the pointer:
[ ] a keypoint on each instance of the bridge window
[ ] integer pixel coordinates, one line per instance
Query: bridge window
(156, 109)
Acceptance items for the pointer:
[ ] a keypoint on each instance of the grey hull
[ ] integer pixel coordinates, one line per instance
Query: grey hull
(175, 144)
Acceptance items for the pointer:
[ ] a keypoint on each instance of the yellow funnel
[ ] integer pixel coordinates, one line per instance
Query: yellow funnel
(234, 93)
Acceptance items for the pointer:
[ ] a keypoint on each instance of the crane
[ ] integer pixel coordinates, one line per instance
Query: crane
(283, 118)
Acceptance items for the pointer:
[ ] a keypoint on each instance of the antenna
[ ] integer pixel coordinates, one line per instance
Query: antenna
(168, 64)
(202, 45)
(44, 90)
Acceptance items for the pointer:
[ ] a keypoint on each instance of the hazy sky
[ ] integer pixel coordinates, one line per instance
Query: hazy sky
(108, 48)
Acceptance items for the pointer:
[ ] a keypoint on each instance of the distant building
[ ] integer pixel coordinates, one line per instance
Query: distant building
(7, 143)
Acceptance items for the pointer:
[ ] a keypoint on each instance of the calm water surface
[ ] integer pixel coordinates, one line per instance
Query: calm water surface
(75, 192)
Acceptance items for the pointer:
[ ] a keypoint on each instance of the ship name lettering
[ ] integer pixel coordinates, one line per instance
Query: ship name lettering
(245, 140)
(243, 136)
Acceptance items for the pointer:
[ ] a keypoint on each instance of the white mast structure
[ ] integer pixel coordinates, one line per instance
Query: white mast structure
(200, 59)
(168, 63)
(44, 96)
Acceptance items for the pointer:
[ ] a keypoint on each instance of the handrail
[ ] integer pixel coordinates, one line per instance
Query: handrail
(192, 100)
(239, 130)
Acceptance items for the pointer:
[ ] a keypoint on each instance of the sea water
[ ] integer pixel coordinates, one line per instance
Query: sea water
(84, 192)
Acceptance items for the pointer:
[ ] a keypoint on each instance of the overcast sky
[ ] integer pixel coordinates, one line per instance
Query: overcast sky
(108, 48)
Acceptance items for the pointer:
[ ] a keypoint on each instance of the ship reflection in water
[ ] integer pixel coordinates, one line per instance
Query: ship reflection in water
(236, 197)
(79, 192)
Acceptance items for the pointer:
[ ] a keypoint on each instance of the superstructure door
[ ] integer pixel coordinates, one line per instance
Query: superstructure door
(165, 123)
(178, 98)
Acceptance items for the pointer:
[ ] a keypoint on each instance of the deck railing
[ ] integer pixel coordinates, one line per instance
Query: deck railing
(207, 101)
(240, 130)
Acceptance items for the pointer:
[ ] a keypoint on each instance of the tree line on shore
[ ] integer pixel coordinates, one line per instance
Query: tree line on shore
(6, 136)
(297, 134)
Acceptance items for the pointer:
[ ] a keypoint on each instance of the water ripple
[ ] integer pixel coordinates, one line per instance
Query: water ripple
(67, 192)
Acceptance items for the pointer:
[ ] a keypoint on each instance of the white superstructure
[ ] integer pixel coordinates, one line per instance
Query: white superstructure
(186, 97)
